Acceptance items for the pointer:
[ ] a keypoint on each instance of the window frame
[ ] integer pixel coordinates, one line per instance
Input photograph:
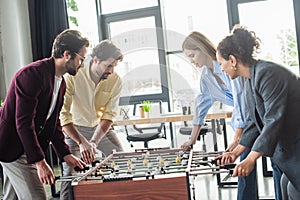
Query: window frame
(233, 17)
(155, 12)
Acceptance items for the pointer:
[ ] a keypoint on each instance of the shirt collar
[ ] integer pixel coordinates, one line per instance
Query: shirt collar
(217, 68)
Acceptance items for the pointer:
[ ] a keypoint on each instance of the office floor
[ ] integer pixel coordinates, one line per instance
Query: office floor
(205, 186)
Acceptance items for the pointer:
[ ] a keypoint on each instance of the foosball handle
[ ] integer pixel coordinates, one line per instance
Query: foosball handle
(78, 169)
(214, 162)
(228, 166)
(94, 163)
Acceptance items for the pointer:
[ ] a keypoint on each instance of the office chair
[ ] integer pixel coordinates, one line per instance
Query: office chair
(146, 133)
(187, 130)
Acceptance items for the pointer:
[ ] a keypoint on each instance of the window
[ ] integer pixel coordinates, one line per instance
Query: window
(140, 68)
(138, 33)
(276, 31)
(134, 27)
(83, 17)
(113, 6)
(208, 17)
(150, 34)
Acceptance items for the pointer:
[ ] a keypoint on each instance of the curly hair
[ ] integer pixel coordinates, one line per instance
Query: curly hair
(242, 44)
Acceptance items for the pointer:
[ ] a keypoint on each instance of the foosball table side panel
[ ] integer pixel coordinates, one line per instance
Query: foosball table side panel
(174, 188)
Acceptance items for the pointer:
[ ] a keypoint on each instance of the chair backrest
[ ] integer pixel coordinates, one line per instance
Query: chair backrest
(186, 110)
(147, 132)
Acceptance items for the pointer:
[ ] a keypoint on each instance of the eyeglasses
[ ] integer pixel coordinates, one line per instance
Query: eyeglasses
(81, 57)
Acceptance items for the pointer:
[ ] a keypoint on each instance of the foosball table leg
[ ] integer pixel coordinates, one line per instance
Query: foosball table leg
(191, 189)
(54, 193)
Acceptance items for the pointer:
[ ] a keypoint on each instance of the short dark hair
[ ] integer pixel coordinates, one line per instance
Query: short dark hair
(105, 50)
(68, 40)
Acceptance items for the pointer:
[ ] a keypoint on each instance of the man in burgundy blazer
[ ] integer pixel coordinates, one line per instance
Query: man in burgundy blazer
(29, 119)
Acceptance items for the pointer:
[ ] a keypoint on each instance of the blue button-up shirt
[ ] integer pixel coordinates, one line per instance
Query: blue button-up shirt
(227, 93)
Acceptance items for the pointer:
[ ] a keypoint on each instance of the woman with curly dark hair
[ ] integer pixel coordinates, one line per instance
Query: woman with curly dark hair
(272, 96)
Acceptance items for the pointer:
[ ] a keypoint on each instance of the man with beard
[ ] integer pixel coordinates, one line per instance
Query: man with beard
(90, 105)
(29, 119)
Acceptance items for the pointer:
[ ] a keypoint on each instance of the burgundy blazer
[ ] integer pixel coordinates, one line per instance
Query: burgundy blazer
(23, 124)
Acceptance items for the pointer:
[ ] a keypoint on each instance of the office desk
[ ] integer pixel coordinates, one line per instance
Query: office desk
(169, 118)
(213, 116)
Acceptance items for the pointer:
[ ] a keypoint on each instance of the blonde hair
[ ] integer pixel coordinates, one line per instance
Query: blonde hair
(197, 41)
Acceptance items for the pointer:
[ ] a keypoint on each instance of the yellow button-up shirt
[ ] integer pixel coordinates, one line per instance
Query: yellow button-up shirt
(85, 103)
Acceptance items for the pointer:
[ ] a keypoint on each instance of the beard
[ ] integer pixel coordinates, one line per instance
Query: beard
(70, 68)
(105, 75)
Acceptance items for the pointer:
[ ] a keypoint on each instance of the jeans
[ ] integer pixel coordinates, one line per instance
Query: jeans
(289, 192)
(247, 185)
(276, 176)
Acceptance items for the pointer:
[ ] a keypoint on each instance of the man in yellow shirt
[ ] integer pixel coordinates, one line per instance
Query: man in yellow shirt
(90, 105)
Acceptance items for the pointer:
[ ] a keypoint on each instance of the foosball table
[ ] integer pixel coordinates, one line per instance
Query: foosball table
(146, 174)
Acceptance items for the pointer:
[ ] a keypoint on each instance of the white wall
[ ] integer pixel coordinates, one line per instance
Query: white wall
(15, 40)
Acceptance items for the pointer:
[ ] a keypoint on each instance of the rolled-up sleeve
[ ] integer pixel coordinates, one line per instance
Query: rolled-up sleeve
(202, 104)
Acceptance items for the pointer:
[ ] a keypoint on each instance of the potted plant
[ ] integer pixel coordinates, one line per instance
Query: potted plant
(146, 106)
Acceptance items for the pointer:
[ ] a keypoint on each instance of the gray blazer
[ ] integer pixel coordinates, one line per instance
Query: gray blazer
(273, 97)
